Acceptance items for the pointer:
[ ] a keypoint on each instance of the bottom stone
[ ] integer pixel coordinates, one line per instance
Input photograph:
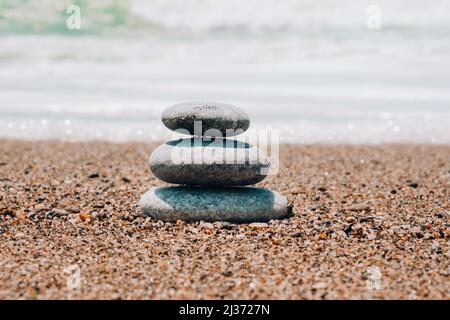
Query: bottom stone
(244, 204)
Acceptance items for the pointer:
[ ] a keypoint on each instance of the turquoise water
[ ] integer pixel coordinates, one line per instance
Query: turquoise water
(49, 17)
(311, 69)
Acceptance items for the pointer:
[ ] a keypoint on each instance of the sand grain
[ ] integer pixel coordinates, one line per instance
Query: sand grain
(368, 222)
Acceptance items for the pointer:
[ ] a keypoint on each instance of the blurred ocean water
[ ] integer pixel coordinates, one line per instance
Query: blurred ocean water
(311, 68)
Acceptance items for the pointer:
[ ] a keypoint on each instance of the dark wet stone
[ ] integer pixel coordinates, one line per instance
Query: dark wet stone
(246, 204)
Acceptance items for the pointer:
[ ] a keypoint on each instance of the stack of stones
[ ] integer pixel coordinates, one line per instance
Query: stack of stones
(213, 172)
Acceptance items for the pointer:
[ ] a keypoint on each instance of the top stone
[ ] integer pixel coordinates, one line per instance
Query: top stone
(208, 119)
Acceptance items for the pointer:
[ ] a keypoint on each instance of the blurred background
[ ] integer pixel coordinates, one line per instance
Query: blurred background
(318, 70)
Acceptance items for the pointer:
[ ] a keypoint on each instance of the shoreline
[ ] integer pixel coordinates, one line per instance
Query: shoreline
(160, 141)
(369, 222)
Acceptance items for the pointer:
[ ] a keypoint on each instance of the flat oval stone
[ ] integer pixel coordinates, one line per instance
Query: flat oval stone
(219, 162)
(211, 119)
(241, 204)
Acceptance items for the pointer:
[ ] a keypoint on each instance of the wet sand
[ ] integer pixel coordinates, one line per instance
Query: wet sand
(368, 222)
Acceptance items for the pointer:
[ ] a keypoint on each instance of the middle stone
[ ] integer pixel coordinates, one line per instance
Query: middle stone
(219, 162)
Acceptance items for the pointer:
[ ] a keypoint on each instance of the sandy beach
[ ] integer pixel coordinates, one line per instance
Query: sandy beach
(368, 222)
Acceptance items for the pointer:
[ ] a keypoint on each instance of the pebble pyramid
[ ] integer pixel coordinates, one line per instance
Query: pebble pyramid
(213, 173)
